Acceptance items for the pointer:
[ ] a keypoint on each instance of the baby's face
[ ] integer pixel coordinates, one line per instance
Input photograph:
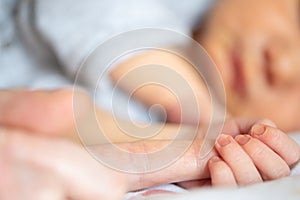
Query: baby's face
(256, 46)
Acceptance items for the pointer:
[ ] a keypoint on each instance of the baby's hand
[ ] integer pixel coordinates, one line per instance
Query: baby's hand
(265, 154)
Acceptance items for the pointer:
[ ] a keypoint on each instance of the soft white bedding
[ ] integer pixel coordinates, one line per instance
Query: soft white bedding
(288, 188)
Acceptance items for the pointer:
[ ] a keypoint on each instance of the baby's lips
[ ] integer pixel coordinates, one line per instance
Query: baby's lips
(238, 79)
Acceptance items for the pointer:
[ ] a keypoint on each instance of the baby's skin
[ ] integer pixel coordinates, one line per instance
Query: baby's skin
(256, 44)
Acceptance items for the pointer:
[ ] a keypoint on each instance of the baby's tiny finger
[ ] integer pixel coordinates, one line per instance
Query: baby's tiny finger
(277, 140)
(270, 165)
(220, 172)
(236, 158)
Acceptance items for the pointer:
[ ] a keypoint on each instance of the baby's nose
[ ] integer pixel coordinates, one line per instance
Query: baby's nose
(283, 64)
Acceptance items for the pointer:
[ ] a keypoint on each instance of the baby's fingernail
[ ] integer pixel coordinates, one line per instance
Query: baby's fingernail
(258, 129)
(223, 140)
(242, 139)
(215, 159)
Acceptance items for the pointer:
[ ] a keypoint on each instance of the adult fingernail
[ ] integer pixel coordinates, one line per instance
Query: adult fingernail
(224, 140)
(242, 139)
(258, 129)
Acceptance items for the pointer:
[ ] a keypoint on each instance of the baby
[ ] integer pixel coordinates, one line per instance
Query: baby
(255, 46)
(238, 158)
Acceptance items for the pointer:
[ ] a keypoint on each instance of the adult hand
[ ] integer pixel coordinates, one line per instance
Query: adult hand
(35, 167)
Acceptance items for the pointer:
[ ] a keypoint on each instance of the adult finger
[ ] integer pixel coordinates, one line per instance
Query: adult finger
(19, 181)
(43, 112)
(82, 177)
(68, 160)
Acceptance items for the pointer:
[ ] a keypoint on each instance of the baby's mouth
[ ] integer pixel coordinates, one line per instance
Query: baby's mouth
(238, 76)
